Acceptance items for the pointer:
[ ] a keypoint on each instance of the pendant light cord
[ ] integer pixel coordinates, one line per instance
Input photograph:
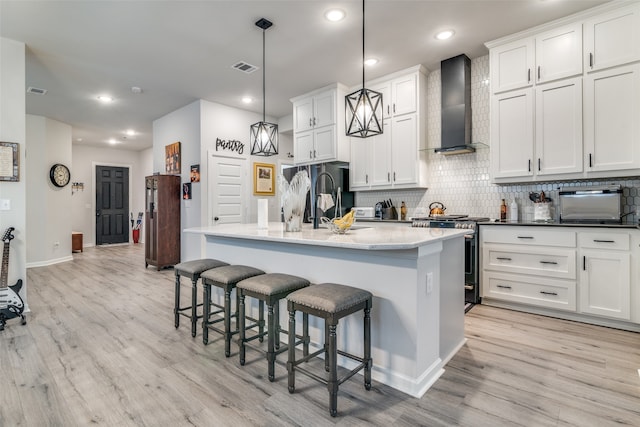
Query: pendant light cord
(362, 44)
(264, 97)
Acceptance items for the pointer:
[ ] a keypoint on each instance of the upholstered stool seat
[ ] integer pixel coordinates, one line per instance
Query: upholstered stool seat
(192, 270)
(332, 302)
(226, 278)
(270, 288)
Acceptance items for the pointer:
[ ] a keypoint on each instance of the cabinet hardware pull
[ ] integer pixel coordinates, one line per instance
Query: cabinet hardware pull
(538, 164)
(529, 165)
(584, 263)
(310, 122)
(590, 59)
(388, 176)
(503, 258)
(525, 237)
(366, 178)
(590, 161)
(310, 154)
(529, 75)
(538, 73)
(549, 293)
(549, 262)
(394, 108)
(314, 121)
(387, 110)
(503, 286)
(314, 154)
(603, 241)
(394, 177)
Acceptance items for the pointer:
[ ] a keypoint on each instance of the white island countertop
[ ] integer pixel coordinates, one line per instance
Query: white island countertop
(361, 237)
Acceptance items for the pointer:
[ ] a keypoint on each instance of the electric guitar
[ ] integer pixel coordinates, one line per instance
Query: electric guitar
(11, 305)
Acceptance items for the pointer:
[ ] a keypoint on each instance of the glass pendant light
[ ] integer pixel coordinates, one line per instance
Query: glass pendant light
(363, 108)
(264, 136)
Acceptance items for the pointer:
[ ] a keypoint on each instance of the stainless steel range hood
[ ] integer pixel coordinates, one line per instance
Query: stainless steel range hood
(455, 75)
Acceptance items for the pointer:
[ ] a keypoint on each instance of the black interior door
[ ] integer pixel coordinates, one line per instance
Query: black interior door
(112, 204)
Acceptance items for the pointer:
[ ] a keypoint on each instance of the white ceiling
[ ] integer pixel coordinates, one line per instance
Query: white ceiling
(181, 51)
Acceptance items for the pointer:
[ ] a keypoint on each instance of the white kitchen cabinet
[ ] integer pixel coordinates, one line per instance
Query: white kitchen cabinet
(558, 122)
(612, 119)
(318, 126)
(605, 274)
(512, 134)
(612, 39)
(549, 56)
(396, 158)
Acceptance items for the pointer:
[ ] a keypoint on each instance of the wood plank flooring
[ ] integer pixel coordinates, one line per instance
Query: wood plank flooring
(100, 348)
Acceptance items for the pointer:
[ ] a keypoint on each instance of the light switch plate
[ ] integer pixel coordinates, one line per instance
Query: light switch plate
(5, 205)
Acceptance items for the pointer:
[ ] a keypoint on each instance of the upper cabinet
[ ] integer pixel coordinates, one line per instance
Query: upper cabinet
(553, 55)
(318, 126)
(552, 118)
(612, 39)
(395, 159)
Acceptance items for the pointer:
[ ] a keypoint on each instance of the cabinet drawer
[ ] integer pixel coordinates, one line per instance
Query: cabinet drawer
(547, 262)
(528, 236)
(600, 240)
(558, 294)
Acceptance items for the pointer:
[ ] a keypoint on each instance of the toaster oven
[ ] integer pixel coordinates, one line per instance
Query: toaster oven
(595, 204)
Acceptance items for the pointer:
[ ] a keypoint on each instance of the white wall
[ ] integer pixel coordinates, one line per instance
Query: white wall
(48, 218)
(197, 126)
(85, 160)
(12, 129)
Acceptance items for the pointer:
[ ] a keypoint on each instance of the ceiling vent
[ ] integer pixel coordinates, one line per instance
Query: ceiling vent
(36, 91)
(244, 67)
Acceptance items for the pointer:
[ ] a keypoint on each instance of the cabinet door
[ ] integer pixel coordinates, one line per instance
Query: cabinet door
(559, 53)
(611, 119)
(404, 92)
(325, 144)
(605, 284)
(404, 154)
(303, 147)
(612, 39)
(559, 127)
(512, 134)
(359, 165)
(380, 147)
(385, 90)
(512, 65)
(303, 114)
(324, 109)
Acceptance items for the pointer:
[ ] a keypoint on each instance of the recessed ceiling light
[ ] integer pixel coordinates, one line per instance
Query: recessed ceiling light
(136, 89)
(444, 35)
(247, 99)
(370, 61)
(130, 132)
(105, 98)
(79, 139)
(334, 15)
(114, 141)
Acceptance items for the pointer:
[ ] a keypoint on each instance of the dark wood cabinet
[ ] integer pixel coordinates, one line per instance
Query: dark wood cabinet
(162, 220)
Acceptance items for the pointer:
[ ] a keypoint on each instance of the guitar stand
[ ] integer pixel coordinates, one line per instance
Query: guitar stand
(3, 320)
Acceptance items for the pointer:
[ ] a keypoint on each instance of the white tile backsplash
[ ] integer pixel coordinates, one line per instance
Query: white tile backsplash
(461, 182)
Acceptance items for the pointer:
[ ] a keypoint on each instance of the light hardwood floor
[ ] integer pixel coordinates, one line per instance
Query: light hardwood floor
(100, 348)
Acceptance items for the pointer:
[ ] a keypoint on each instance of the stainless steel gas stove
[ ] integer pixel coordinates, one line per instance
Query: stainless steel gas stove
(471, 253)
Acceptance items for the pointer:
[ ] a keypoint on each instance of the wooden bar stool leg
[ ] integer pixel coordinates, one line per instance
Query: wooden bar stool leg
(206, 305)
(271, 328)
(305, 334)
(292, 351)
(326, 345)
(367, 348)
(332, 384)
(261, 320)
(276, 314)
(176, 307)
(194, 305)
(227, 321)
(241, 320)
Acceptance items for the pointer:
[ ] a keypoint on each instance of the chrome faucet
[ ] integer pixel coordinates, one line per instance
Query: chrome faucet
(314, 197)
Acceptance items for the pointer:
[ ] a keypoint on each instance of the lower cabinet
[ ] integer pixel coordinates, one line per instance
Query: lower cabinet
(593, 272)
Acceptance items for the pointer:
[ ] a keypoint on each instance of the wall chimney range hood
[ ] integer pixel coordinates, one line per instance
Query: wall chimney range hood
(455, 75)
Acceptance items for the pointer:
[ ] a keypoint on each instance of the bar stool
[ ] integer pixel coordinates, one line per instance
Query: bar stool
(192, 270)
(331, 302)
(270, 288)
(226, 278)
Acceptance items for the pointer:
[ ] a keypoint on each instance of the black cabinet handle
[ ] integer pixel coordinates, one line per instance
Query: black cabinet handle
(538, 73)
(590, 160)
(503, 258)
(529, 167)
(603, 241)
(394, 177)
(590, 59)
(538, 164)
(548, 293)
(584, 263)
(503, 286)
(529, 75)
(366, 179)
(388, 176)
(525, 237)
(549, 262)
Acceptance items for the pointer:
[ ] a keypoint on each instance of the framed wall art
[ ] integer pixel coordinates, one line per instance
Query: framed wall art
(264, 179)
(195, 173)
(172, 159)
(9, 161)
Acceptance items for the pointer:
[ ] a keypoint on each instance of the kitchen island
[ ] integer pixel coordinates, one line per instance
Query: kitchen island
(415, 275)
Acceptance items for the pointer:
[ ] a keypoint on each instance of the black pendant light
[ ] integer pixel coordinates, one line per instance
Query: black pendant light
(363, 108)
(264, 136)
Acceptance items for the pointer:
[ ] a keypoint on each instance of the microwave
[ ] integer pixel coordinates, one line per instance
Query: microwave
(591, 205)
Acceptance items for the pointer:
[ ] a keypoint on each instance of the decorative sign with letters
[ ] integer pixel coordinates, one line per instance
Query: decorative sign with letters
(231, 145)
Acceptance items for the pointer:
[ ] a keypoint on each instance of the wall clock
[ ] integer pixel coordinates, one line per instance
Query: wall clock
(59, 175)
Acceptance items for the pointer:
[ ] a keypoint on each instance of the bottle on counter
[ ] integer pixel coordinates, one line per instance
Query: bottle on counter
(403, 211)
(503, 211)
(513, 211)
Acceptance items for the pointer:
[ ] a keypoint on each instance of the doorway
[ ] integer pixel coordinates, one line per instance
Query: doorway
(227, 178)
(112, 204)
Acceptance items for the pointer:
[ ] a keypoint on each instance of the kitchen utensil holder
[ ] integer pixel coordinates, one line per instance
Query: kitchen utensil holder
(542, 212)
(389, 213)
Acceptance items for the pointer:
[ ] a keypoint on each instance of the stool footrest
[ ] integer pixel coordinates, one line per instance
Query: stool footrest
(308, 357)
